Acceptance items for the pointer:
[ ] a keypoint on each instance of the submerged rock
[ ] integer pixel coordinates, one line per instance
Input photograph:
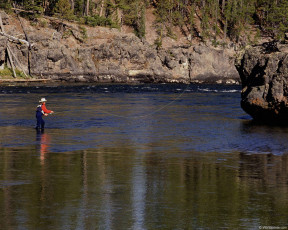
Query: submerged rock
(264, 72)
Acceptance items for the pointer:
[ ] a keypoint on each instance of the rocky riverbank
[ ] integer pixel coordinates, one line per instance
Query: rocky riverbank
(74, 53)
(264, 73)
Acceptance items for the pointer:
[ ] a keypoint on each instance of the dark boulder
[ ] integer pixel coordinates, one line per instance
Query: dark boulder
(264, 72)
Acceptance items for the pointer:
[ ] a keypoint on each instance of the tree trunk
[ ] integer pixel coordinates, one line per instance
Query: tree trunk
(101, 8)
(216, 16)
(192, 20)
(87, 8)
(28, 40)
(72, 3)
(225, 29)
(119, 18)
(44, 5)
(11, 60)
(17, 61)
(17, 40)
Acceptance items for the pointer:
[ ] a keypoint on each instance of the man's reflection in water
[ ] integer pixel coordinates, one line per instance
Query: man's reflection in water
(43, 143)
(43, 139)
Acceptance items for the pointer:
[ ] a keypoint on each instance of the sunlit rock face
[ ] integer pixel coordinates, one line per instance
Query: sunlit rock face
(264, 72)
(70, 52)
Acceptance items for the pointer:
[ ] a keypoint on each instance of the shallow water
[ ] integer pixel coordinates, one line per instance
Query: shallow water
(139, 157)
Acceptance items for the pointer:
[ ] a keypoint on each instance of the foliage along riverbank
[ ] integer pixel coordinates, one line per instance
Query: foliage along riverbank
(204, 19)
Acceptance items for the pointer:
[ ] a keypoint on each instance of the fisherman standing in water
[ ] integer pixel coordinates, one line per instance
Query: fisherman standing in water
(40, 111)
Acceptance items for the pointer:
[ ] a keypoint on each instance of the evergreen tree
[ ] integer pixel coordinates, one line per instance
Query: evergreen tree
(227, 18)
(134, 15)
(4, 4)
(63, 7)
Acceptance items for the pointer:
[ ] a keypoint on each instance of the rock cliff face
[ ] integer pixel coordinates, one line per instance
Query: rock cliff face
(264, 73)
(66, 51)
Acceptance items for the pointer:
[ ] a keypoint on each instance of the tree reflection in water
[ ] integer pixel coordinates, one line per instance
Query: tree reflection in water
(111, 188)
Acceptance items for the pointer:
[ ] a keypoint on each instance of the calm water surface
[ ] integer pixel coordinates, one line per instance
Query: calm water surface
(139, 157)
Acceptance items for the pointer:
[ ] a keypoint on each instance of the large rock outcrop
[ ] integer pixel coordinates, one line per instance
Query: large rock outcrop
(70, 52)
(264, 74)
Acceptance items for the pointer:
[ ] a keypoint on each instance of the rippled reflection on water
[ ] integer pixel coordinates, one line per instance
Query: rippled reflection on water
(107, 160)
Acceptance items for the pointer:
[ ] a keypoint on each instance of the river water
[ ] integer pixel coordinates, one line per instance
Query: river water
(139, 157)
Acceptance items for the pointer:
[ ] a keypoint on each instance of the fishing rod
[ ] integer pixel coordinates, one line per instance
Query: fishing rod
(136, 116)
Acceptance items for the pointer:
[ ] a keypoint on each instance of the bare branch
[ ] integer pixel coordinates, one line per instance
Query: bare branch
(14, 39)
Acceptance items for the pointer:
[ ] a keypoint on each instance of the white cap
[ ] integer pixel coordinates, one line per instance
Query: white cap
(43, 100)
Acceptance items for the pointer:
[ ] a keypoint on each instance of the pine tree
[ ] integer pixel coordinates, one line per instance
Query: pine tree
(134, 15)
(63, 7)
(4, 4)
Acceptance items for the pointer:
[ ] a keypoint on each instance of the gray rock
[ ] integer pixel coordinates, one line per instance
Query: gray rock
(108, 55)
(212, 64)
(264, 76)
(55, 55)
(3, 46)
(5, 18)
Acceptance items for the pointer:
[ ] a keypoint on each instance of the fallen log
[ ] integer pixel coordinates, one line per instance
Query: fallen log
(26, 11)
(17, 40)
(16, 59)
(8, 49)
(27, 39)
(9, 52)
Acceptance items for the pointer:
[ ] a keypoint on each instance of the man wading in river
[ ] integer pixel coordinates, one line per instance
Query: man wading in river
(40, 111)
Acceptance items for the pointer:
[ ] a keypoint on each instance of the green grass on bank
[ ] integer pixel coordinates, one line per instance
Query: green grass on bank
(7, 73)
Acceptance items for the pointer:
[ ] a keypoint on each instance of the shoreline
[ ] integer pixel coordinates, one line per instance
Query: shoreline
(43, 82)
(23, 80)
(5, 81)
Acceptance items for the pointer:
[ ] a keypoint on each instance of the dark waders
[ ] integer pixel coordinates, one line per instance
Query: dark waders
(40, 121)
